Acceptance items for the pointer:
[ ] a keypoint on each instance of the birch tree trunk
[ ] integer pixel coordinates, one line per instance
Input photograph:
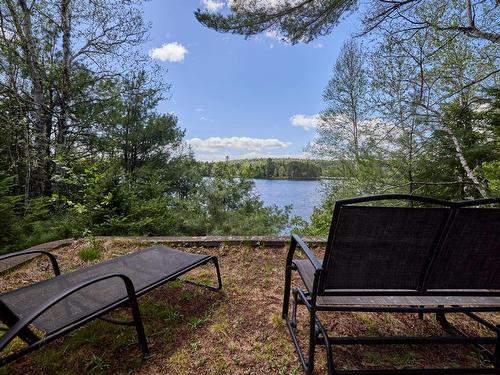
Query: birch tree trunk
(22, 20)
(463, 162)
(64, 97)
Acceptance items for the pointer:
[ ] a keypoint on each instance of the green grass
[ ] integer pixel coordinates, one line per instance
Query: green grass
(97, 364)
(194, 322)
(408, 358)
(159, 310)
(180, 358)
(89, 254)
(369, 323)
(90, 349)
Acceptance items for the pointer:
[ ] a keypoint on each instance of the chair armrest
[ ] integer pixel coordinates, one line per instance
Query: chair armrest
(28, 319)
(479, 202)
(52, 258)
(296, 240)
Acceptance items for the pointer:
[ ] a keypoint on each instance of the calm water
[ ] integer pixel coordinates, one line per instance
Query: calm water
(304, 195)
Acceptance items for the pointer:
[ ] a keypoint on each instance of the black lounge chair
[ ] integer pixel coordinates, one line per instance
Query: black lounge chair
(439, 259)
(67, 301)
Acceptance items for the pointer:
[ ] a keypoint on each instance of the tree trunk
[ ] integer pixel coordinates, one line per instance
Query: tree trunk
(64, 96)
(40, 139)
(463, 162)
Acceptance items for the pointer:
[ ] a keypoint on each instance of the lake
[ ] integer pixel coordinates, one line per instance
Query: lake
(304, 195)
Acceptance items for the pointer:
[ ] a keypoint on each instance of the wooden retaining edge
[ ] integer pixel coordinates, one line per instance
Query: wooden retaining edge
(202, 241)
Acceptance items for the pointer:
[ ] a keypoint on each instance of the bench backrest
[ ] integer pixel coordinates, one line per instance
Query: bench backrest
(373, 249)
(469, 257)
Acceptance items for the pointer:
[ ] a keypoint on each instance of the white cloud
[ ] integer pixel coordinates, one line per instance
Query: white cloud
(198, 109)
(265, 155)
(213, 5)
(172, 52)
(307, 122)
(317, 45)
(211, 157)
(272, 34)
(203, 118)
(215, 144)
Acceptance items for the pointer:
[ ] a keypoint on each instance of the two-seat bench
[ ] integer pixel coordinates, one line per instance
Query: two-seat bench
(439, 259)
(68, 301)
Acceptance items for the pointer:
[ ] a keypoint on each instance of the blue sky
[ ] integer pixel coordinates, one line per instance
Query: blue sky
(240, 97)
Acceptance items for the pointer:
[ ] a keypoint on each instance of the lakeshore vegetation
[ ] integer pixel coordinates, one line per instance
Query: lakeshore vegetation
(412, 105)
(83, 148)
(413, 102)
(278, 168)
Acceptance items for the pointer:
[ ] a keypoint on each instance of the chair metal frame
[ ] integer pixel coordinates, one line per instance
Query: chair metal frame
(318, 334)
(20, 327)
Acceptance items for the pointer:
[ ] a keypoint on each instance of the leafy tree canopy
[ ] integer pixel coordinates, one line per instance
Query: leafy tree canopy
(304, 20)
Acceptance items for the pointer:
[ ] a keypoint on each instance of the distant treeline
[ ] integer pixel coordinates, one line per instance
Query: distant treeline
(278, 168)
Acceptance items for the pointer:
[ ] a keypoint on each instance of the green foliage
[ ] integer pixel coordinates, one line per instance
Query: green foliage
(232, 207)
(90, 253)
(108, 201)
(150, 188)
(449, 149)
(10, 206)
(296, 22)
(272, 168)
(23, 224)
(492, 174)
(306, 20)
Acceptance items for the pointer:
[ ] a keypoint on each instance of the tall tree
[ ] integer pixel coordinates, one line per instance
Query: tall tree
(136, 132)
(396, 97)
(305, 20)
(343, 129)
(46, 46)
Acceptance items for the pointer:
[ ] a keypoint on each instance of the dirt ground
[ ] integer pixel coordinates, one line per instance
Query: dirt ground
(235, 331)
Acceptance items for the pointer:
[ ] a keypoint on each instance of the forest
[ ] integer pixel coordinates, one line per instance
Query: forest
(271, 168)
(412, 105)
(83, 149)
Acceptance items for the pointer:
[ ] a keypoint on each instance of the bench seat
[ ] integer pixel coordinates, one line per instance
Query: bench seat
(306, 271)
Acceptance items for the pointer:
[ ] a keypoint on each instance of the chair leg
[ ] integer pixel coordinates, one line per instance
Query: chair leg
(139, 327)
(307, 363)
(497, 349)
(9, 319)
(219, 279)
(292, 328)
(286, 294)
(294, 308)
(312, 340)
(217, 270)
(421, 314)
(441, 318)
(328, 347)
